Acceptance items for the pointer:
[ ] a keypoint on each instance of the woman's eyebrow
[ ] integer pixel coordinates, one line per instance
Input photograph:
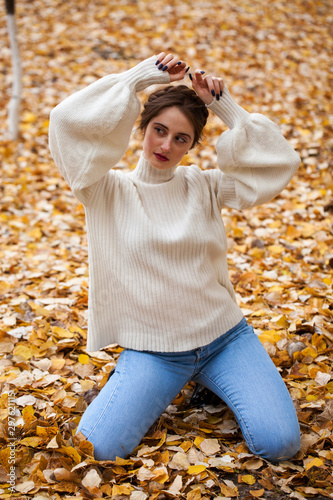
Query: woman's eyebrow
(166, 128)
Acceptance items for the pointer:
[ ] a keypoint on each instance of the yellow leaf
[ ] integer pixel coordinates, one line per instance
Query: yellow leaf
(276, 288)
(122, 489)
(28, 117)
(71, 452)
(46, 432)
(257, 493)
(304, 131)
(238, 232)
(196, 469)
(260, 312)
(32, 441)
(207, 431)
(293, 233)
(329, 387)
(227, 491)
(23, 350)
(283, 322)
(57, 364)
(4, 286)
(84, 359)
(87, 448)
(198, 440)
(316, 462)
(61, 332)
(77, 329)
(194, 494)
(186, 445)
(161, 476)
(308, 230)
(28, 410)
(270, 336)
(35, 233)
(276, 249)
(248, 479)
(4, 457)
(309, 351)
(123, 461)
(313, 370)
(276, 223)
(257, 253)
(173, 443)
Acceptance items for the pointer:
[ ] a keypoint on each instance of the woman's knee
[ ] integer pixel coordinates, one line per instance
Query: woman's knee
(108, 444)
(280, 444)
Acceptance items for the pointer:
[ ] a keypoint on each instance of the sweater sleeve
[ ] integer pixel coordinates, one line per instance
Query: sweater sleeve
(256, 160)
(90, 130)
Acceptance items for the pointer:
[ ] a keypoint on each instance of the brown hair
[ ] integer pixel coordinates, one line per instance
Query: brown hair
(185, 99)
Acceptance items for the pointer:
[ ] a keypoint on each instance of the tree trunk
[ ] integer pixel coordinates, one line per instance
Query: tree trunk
(14, 105)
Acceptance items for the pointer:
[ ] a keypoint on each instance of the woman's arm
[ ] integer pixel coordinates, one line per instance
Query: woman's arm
(255, 158)
(89, 131)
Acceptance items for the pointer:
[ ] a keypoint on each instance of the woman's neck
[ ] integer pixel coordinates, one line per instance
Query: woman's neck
(145, 172)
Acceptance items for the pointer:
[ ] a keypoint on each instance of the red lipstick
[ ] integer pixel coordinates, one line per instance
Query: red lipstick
(161, 157)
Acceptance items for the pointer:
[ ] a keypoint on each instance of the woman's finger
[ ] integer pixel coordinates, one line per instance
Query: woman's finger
(216, 88)
(210, 85)
(160, 57)
(221, 82)
(167, 61)
(176, 66)
(199, 76)
(177, 70)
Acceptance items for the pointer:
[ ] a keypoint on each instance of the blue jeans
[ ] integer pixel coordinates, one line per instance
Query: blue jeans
(235, 366)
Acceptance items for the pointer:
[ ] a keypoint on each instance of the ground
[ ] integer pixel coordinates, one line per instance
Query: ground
(276, 58)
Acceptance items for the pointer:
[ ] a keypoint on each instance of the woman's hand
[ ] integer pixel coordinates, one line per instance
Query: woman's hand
(207, 87)
(173, 65)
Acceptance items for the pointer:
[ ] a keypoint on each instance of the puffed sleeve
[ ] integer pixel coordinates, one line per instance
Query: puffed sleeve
(90, 130)
(256, 160)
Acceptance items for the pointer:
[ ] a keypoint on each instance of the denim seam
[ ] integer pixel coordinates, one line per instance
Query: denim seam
(106, 405)
(235, 411)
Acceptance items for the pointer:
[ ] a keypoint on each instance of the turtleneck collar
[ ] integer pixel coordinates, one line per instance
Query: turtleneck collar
(145, 172)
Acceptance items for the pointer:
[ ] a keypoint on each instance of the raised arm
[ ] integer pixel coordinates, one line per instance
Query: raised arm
(90, 130)
(255, 158)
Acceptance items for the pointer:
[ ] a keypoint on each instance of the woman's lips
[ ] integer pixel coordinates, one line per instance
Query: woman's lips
(161, 157)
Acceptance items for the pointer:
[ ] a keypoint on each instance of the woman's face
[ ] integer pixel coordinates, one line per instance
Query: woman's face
(168, 137)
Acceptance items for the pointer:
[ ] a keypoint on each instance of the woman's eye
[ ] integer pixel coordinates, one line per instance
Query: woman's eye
(159, 130)
(180, 139)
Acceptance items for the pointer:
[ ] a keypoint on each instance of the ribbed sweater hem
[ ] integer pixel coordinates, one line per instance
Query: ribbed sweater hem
(228, 110)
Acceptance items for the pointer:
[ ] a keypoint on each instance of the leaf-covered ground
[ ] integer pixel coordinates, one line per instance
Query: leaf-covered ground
(276, 58)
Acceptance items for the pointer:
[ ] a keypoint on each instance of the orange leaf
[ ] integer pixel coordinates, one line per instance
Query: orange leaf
(257, 493)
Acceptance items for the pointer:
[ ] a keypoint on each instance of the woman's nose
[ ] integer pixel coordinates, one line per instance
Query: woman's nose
(166, 145)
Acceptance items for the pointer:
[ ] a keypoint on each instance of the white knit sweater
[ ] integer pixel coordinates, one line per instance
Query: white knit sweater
(157, 244)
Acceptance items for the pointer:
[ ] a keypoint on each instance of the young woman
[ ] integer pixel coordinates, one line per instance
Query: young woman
(159, 283)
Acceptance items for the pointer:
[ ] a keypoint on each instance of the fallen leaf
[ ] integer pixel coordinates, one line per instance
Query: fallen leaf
(91, 479)
(196, 469)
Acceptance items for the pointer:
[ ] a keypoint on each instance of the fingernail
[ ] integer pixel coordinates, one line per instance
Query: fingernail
(157, 62)
(190, 76)
(213, 93)
(187, 69)
(165, 68)
(160, 66)
(202, 72)
(218, 97)
(221, 93)
(178, 63)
